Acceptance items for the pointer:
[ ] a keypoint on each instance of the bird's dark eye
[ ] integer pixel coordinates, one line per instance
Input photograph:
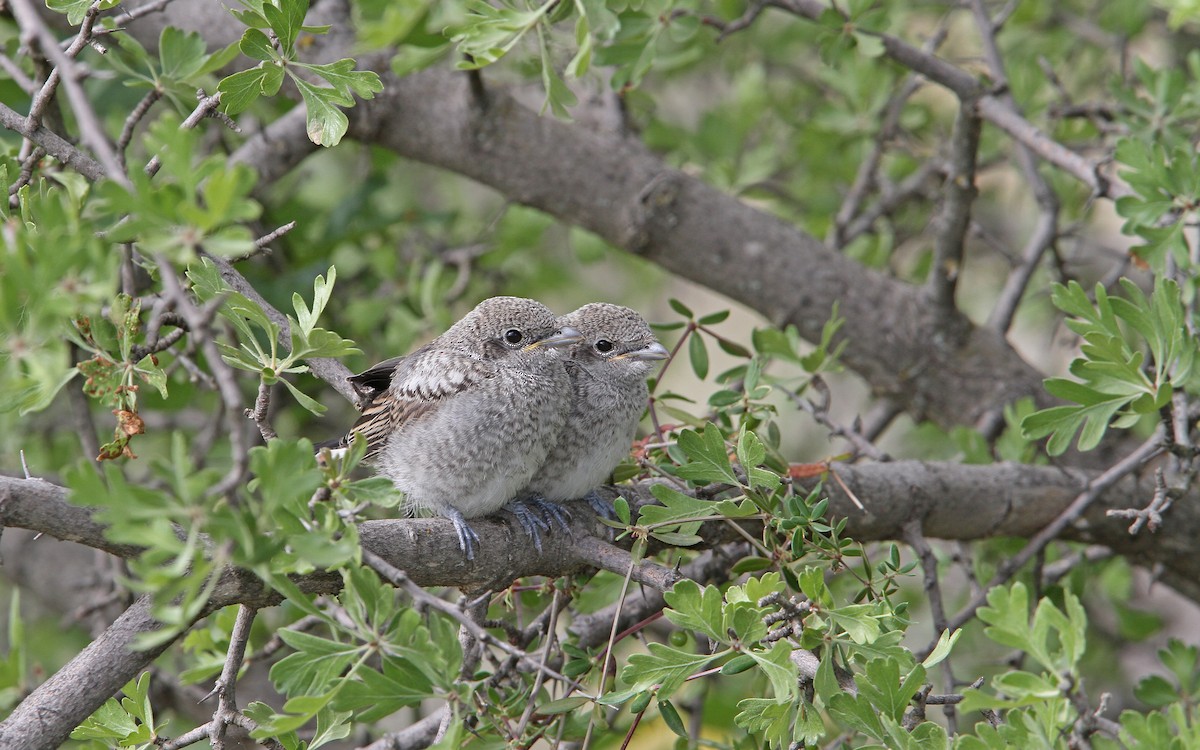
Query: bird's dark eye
(513, 336)
(604, 346)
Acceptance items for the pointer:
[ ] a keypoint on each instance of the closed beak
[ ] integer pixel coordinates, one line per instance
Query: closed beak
(649, 352)
(564, 336)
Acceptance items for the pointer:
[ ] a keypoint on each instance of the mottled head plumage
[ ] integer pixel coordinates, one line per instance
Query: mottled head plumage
(616, 335)
(500, 325)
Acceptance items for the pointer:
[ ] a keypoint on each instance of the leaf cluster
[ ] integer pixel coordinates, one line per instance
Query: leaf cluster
(1117, 382)
(273, 37)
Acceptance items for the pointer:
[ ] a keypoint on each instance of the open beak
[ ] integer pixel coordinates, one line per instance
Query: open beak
(564, 336)
(649, 352)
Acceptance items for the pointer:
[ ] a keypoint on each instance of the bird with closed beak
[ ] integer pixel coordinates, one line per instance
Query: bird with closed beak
(462, 424)
(608, 369)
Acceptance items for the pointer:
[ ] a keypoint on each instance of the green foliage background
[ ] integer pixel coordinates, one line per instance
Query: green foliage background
(386, 253)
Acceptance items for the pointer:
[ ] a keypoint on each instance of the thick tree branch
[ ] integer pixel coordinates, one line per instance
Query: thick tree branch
(630, 198)
(953, 501)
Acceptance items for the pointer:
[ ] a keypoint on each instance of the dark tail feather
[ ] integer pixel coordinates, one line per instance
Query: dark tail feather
(331, 444)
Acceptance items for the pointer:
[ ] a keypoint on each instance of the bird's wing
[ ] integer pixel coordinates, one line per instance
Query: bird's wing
(413, 387)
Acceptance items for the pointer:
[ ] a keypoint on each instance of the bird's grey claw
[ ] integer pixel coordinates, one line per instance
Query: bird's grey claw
(467, 538)
(529, 522)
(603, 508)
(537, 515)
(552, 513)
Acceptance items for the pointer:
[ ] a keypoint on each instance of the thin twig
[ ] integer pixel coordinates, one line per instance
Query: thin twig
(400, 579)
(259, 413)
(1054, 572)
(128, 15)
(753, 10)
(262, 244)
(891, 200)
(131, 122)
(608, 652)
(527, 714)
(860, 443)
(965, 85)
(13, 71)
(937, 608)
(90, 129)
(225, 687)
(1045, 231)
(959, 194)
(199, 322)
(868, 170)
(1149, 517)
(45, 94)
(207, 107)
(54, 144)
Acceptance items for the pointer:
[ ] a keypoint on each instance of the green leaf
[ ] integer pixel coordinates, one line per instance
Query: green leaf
(664, 667)
(257, 46)
(286, 20)
(709, 459)
(374, 694)
(738, 664)
(1007, 613)
(559, 98)
(110, 721)
(1183, 661)
(77, 9)
(856, 713)
(696, 608)
(777, 665)
(945, 644)
(698, 354)
(680, 308)
(621, 508)
(859, 621)
(326, 123)
(489, 32)
(342, 76)
(671, 718)
(240, 90)
(315, 667)
(562, 705)
(1062, 422)
(181, 54)
(881, 685)
(331, 725)
(763, 715)
(1155, 692)
(675, 507)
(750, 450)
